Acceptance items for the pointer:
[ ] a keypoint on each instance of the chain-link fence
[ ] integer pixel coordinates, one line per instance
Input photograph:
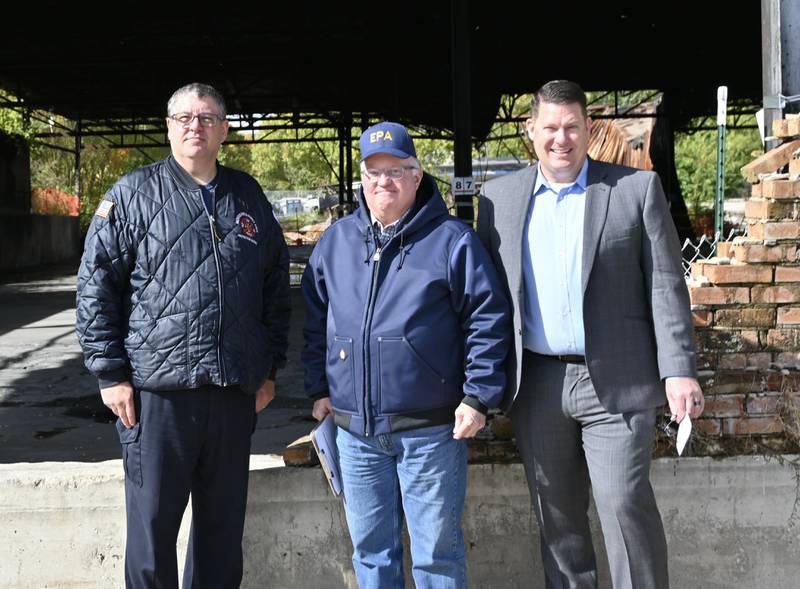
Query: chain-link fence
(704, 248)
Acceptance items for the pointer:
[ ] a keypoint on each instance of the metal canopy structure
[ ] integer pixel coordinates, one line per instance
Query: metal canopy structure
(441, 66)
(110, 66)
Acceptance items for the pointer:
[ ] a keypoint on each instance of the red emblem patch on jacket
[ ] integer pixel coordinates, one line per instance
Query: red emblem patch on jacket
(248, 226)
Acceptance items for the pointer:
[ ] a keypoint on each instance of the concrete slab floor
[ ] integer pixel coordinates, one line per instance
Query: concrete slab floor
(50, 406)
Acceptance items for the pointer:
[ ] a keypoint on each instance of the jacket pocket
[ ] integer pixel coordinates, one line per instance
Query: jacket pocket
(408, 382)
(158, 351)
(620, 236)
(131, 451)
(342, 375)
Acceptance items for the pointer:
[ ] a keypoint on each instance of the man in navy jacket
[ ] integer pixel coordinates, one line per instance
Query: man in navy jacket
(183, 317)
(406, 333)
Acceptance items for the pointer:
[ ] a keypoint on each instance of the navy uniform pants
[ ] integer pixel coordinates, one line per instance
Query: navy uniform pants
(194, 441)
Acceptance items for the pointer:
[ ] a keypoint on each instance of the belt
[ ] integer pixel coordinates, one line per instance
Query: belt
(565, 358)
(569, 358)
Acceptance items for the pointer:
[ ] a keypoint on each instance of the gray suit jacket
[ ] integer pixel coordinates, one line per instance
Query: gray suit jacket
(636, 312)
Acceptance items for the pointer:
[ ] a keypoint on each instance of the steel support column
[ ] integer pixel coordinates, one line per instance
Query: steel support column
(341, 174)
(348, 141)
(462, 104)
(780, 58)
(78, 179)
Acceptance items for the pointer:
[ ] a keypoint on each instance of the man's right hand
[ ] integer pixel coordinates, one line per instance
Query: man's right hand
(321, 408)
(119, 399)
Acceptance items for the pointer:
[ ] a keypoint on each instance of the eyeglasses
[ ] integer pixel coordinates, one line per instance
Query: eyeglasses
(393, 172)
(207, 119)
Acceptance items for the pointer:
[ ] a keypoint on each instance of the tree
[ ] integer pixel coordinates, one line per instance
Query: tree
(696, 164)
(101, 163)
(286, 166)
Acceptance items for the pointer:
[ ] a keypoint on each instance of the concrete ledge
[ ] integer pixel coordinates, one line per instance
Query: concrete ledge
(730, 523)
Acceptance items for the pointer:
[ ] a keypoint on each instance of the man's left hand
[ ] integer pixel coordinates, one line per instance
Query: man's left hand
(469, 422)
(684, 396)
(264, 395)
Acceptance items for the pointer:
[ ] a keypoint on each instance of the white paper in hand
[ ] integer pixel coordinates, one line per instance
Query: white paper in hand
(684, 431)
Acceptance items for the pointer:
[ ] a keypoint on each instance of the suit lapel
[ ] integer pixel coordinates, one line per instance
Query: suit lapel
(518, 212)
(594, 217)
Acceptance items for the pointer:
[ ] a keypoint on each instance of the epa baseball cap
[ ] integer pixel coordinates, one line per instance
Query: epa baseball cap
(391, 138)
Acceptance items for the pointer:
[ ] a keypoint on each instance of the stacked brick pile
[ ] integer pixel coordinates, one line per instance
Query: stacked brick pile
(746, 308)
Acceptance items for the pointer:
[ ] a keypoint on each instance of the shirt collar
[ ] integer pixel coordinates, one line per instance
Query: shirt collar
(383, 227)
(580, 181)
(211, 186)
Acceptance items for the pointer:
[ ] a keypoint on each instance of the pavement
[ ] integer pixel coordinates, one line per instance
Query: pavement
(50, 406)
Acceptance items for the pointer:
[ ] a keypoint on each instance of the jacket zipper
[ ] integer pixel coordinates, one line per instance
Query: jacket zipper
(376, 258)
(216, 239)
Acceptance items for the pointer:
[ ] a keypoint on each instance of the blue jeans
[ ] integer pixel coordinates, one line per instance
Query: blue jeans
(422, 473)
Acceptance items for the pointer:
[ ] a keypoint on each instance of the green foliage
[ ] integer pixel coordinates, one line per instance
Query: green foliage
(286, 166)
(434, 152)
(696, 165)
(101, 167)
(12, 121)
(301, 166)
(510, 140)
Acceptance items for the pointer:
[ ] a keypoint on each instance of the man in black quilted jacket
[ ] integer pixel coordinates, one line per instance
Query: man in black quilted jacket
(183, 316)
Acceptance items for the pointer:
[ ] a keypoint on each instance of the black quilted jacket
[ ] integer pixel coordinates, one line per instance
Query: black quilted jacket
(171, 299)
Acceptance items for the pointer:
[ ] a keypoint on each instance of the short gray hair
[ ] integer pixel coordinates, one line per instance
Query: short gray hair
(201, 91)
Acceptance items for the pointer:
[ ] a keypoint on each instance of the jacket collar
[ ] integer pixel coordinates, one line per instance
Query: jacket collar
(523, 193)
(183, 178)
(594, 217)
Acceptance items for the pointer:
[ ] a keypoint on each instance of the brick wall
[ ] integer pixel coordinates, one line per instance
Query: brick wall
(746, 309)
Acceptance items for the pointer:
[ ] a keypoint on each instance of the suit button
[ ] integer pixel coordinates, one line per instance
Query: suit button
(519, 331)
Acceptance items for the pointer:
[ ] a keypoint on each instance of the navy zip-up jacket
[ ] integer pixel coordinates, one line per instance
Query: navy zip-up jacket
(169, 298)
(399, 336)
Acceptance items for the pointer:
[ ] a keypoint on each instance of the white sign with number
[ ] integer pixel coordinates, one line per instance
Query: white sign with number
(463, 185)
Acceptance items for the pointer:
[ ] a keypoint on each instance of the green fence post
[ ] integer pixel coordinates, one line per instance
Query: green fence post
(719, 200)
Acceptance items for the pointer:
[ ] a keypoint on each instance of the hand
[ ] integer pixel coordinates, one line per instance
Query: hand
(264, 395)
(684, 396)
(119, 399)
(321, 408)
(469, 422)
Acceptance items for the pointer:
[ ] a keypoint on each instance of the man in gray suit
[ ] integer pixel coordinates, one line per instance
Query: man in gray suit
(603, 332)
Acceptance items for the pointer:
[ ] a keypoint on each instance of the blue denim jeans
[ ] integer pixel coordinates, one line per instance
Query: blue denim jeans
(421, 473)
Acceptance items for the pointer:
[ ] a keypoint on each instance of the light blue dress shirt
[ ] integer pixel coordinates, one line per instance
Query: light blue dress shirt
(551, 267)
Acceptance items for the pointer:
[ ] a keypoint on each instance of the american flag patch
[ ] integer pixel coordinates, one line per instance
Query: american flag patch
(104, 209)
